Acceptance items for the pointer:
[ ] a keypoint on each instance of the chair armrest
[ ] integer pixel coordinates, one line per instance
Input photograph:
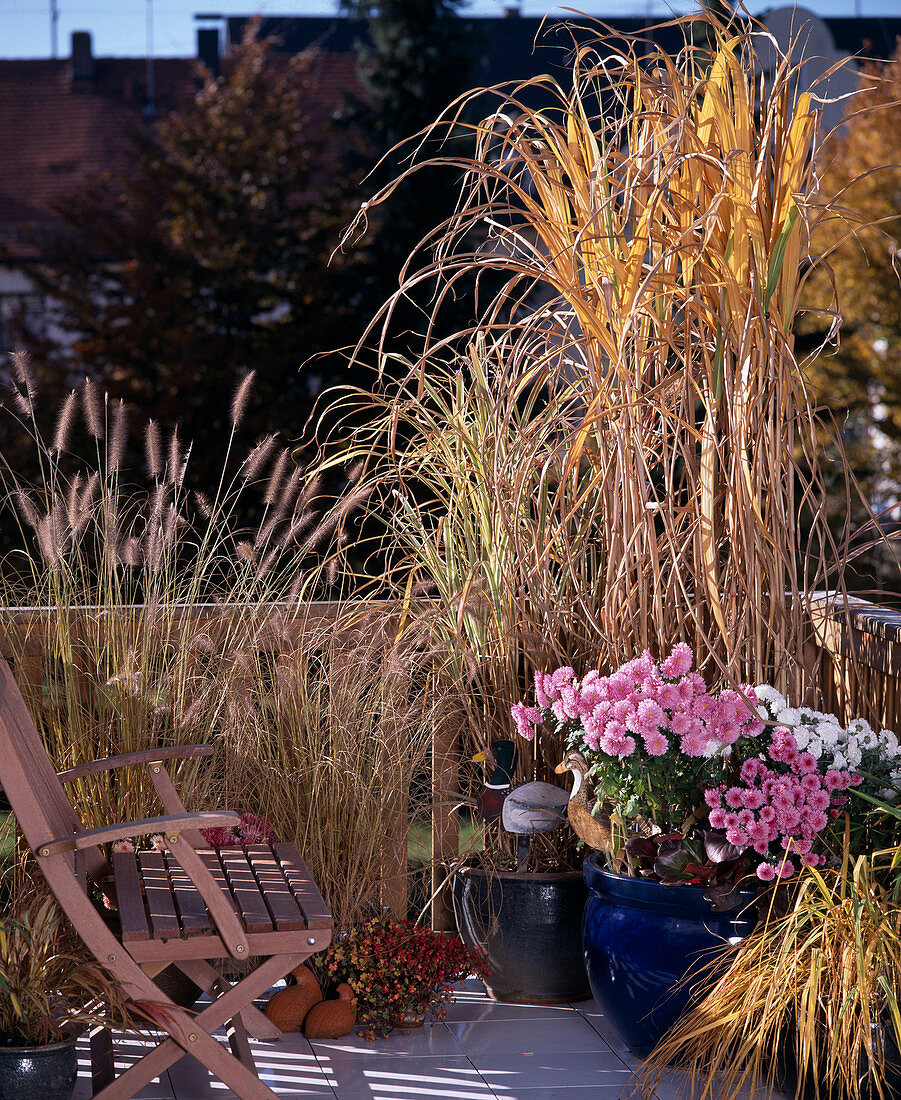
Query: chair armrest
(146, 756)
(170, 824)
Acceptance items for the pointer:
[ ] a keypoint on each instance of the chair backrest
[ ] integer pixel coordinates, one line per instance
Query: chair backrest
(37, 797)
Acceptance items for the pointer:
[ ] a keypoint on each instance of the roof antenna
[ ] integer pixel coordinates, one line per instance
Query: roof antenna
(54, 21)
(150, 105)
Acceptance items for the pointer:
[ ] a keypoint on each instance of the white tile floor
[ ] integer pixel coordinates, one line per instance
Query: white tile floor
(483, 1051)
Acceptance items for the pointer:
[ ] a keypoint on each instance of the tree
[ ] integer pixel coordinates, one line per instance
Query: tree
(859, 379)
(418, 59)
(212, 257)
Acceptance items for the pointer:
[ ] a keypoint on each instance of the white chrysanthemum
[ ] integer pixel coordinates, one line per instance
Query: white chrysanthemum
(815, 749)
(830, 734)
(859, 726)
(868, 740)
(803, 735)
(788, 716)
(853, 754)
(767, 694)
(888, 740)
(840, 762)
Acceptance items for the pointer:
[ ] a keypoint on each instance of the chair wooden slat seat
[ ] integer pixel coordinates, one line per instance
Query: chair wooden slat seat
(158, 896)
(185, 904)
(302, 886)
(157, 899)
(245, 890)
(193, 915)
(286, 914)
(132, 911)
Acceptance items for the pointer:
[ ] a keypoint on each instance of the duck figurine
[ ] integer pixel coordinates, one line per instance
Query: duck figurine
(534, 807)
(594, 830)
(523, 810)
(501, 757)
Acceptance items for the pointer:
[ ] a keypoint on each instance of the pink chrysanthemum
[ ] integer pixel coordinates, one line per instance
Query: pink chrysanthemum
(735, 797)
(695, 744)
(655, 743)
(678, 663)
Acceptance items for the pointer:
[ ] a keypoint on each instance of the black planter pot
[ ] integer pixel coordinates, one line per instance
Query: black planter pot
(642, 940)
(529, 926)
(38, 1073)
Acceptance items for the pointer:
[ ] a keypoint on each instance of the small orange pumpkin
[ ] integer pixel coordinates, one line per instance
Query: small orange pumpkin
(332, 1019)
(288, 1008)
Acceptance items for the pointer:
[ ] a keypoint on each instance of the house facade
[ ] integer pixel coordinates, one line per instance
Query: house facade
(65, 121)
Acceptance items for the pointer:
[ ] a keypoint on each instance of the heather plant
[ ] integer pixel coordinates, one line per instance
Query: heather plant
(395, 967)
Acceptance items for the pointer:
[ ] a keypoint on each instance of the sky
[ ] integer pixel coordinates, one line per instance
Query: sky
(122, 27)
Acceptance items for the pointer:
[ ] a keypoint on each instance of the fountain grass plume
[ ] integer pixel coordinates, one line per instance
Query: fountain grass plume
(121, 581)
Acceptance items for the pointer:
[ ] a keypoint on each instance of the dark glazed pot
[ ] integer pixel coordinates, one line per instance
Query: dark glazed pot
(529, 926)
(641, 939)
(38, 1073)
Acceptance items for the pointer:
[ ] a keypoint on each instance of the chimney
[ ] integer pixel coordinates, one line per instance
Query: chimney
(208, 48)
(81, 67)
(512, 13)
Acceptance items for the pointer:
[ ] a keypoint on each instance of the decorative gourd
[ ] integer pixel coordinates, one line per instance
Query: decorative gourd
(332, 1019)
(288, 1008)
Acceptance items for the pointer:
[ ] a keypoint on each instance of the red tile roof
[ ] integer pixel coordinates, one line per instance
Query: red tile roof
(55, 131)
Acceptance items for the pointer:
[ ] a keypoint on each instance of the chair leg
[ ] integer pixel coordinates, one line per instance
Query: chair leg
(240, 1078)
(212, 982)
(103, 1069)
(237, 1040)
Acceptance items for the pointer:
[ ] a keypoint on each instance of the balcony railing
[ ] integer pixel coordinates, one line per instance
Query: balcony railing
(858, 645)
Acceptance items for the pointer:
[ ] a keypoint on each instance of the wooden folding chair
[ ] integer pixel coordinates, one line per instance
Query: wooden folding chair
(187, 904)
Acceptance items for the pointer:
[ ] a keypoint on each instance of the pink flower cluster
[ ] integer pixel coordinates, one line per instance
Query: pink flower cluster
(788, 805)
(642, 705)
(252, 830)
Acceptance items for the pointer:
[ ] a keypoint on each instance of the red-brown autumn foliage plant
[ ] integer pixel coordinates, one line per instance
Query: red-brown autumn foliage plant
(395, 967)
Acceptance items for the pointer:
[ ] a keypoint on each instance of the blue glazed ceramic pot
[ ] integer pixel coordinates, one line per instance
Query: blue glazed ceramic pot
(641, 939)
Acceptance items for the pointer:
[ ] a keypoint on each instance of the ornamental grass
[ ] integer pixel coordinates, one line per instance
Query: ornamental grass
(139, 617)
(621, 452)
